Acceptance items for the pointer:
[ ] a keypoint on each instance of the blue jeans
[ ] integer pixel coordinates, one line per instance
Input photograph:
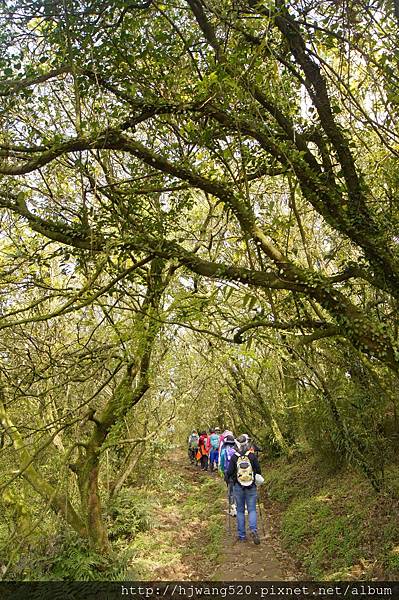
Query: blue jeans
(245, 496)
(214, 457)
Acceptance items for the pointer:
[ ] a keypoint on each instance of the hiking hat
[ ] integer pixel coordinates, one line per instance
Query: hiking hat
(217, 428)
(227, 432)
(242, 442)
(229, 439)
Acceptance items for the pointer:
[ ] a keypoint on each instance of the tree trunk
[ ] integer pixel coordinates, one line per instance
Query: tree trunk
(91, 504)
(129, 392)
(130, 463)
(60, 503)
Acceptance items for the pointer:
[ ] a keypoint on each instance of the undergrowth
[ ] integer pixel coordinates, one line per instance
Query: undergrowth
(188, 532)
(336, 525)
(171, 528)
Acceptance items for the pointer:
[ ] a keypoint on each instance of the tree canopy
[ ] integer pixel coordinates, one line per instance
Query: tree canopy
(198, 201)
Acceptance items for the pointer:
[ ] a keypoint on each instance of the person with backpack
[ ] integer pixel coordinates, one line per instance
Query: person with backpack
(214, 449)
(221, 440)
(243, 468)
(203, 445)
(226, 452)
(193, 445)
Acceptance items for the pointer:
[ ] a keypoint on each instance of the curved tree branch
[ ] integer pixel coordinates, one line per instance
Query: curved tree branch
(281, 326)
(12, 86)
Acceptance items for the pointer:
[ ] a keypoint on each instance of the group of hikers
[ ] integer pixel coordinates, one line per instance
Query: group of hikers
(236, 460)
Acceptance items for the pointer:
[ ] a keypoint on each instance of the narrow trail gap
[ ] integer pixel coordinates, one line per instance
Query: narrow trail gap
(236, 561)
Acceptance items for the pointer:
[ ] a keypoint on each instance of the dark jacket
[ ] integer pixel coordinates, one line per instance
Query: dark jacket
(232, 470)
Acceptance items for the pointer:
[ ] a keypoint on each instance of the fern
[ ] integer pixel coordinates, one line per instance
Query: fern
(76, 563)
(131, 513)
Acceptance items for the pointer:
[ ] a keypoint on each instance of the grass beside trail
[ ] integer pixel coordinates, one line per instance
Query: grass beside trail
(185, 531)
(170, 528)
(337, 526)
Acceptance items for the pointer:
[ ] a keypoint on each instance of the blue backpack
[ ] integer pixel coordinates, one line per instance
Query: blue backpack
(215, 441)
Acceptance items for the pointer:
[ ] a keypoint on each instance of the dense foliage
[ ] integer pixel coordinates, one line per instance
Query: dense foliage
(199, 218)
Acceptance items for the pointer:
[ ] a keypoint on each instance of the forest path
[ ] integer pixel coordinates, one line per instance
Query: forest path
(244, 561)
(241, 561)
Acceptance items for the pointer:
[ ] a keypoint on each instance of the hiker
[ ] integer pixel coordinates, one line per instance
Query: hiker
(242, 469)
(222, 437)
(226, 453)
(214, 449)
(203, 444)
(193, 445)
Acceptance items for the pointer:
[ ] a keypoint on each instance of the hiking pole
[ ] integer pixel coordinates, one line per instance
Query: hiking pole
(261, 517)
(229, 510)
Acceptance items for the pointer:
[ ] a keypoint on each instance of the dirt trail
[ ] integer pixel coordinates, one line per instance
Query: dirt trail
(244, 561)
